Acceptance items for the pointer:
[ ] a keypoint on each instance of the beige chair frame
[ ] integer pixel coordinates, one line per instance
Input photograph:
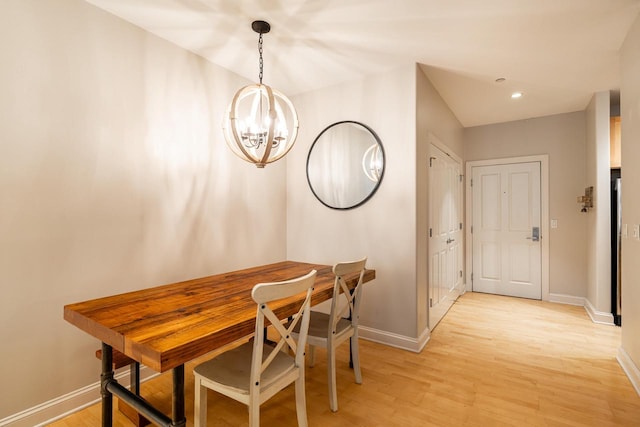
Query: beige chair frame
(331, 330)
(254, 372)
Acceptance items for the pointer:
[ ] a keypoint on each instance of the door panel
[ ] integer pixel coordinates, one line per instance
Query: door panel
(506, 208)
(520, 263)
(519, 202)
(491, 212)
(490, 261)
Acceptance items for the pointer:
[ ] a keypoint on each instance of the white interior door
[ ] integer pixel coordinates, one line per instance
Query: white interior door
(445, 233)
(506, 230)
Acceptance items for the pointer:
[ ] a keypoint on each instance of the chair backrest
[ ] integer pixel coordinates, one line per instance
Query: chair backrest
(350, 297)
(264, 294)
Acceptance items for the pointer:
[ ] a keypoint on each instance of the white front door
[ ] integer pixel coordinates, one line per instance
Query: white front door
(506, 230)
(445, 233)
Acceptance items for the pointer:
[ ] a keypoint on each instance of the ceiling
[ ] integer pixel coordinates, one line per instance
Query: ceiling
(557, 52)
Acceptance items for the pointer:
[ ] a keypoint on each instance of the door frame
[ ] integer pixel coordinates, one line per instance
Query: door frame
(544, 214)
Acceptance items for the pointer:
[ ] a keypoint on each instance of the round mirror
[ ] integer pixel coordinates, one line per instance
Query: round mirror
(345, 165)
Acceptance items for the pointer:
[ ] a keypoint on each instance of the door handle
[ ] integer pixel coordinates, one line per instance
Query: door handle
(450, 240)
(535, 234)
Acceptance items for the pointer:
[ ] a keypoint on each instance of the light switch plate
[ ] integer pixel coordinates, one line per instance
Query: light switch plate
(636, 231)
(625, 231)
(554, 223)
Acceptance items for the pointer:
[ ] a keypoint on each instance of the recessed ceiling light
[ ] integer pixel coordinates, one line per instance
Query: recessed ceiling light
(516, 95)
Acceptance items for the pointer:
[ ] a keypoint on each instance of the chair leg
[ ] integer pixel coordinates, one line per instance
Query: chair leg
(200, 405)
(331, 377)
(254, 412)
(301, 401)
(355, 353)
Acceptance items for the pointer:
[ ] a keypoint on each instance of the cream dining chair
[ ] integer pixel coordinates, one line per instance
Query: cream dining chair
(330, 330)
(254, 372)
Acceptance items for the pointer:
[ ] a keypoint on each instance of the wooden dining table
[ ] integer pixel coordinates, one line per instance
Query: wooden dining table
(166, 326)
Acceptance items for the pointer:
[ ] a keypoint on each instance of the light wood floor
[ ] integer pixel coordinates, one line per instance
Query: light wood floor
(492, 361)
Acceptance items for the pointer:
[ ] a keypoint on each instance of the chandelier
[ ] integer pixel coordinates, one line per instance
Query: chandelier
(261, 124)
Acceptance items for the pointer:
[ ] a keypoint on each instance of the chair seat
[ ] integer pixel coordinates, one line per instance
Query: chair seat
(232, 369)
(319, 325)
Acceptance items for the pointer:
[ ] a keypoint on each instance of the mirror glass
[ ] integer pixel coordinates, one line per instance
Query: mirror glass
(345, 165)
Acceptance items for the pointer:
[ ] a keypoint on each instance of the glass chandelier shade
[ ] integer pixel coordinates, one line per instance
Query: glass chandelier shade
(260, 124)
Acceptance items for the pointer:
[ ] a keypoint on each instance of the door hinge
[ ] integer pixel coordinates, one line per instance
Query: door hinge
(431, 159)
(460, 176)
(430, 302)
(471, 277)
(430, 232)
(460, 273)
(471, 183)
(460, 226)
(472, 229)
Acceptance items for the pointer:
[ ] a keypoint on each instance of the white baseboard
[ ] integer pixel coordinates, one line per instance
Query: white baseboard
(61, 406)
(394, 340)
(598, 316)
(629, 368)
(566, 299)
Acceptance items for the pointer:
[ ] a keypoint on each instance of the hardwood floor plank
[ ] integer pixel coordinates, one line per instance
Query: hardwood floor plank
(492, 361)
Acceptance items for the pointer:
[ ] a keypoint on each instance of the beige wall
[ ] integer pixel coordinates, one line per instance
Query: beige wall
(630, 120)
(113, 176)
(402, 106)
(562, 137)
(383, 228)
(433, 117)
(598, 231)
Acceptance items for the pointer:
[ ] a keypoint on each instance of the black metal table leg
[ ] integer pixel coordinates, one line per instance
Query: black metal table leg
(106, 377)
(179, 419)
(351, 339)
(110, 387)
(134, 375)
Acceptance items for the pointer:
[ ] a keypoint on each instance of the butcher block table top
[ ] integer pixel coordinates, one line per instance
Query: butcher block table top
(166, 326)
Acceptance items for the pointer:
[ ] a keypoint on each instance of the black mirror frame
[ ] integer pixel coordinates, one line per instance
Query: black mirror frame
(373, 191)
